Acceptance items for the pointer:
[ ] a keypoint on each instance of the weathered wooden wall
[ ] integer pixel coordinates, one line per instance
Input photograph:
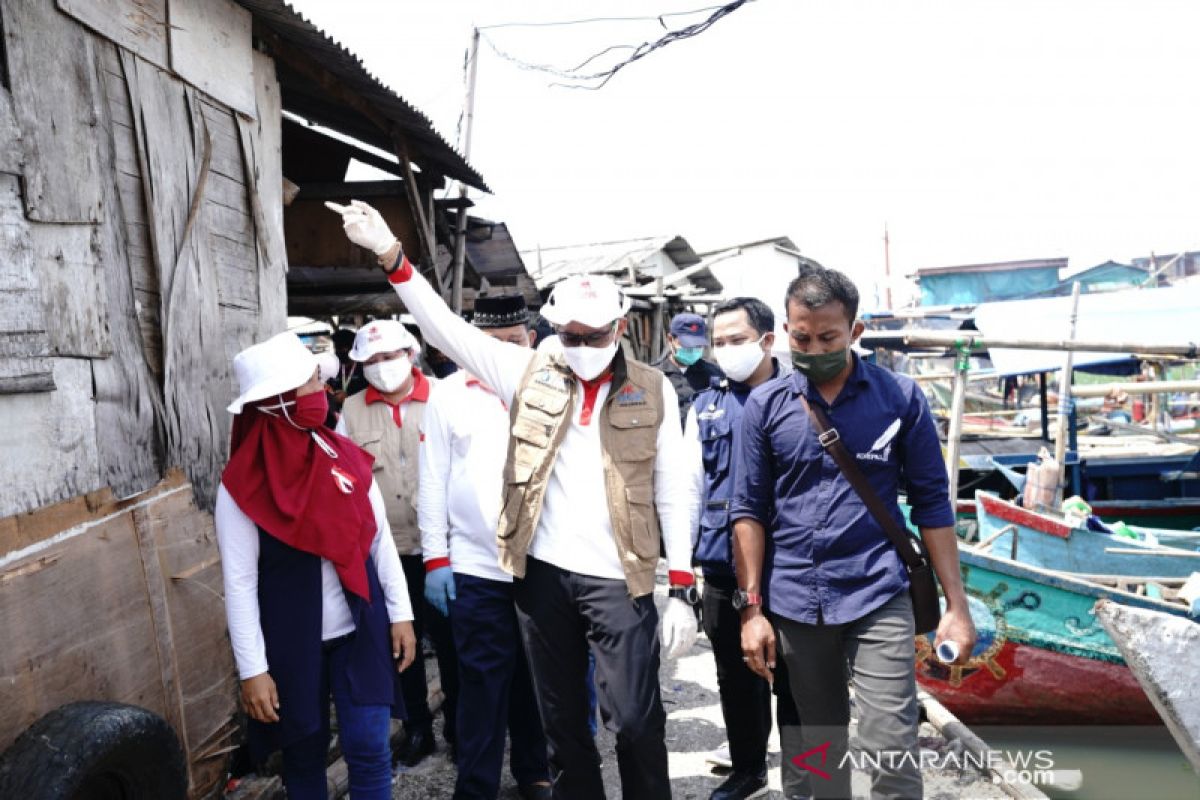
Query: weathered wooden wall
(141, 246)
(165, 256)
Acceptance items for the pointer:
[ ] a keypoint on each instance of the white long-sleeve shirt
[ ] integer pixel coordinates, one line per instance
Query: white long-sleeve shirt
(237, 538)
(575, 529)
(462, 476)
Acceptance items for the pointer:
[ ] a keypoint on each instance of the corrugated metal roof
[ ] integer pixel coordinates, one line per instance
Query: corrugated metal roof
(491, 251)
(549, 265)
(293, 27)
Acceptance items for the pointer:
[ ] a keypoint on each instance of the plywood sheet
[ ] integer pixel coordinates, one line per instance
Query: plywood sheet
(262, 149)
(175, 151)
(73, 291)
(211, 49)
(52, 74)
(139, 26)
(130, 431)
(76, 626)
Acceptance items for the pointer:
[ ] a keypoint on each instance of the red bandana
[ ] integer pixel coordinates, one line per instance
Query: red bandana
(284, 481)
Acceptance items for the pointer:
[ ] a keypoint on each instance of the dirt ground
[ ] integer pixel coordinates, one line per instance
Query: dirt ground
(694, 728)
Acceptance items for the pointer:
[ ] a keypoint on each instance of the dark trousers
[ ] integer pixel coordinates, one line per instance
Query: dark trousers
(414, 683)
(362, 731)
(495, 692)
(745, 697)
(875, 654)
(563, 614)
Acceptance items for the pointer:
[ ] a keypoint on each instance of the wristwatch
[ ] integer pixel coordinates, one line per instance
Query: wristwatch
(688, 594)
(743, 599)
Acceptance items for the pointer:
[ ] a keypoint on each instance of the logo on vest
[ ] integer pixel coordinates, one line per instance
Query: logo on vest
(712, 412)
(881, 450)
(344, 480)
(549, 377)
(630, 395)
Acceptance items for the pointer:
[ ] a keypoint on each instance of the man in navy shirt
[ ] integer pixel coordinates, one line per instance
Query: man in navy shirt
(808, 551)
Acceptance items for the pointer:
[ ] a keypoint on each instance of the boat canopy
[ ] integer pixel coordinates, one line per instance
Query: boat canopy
(1166, 316)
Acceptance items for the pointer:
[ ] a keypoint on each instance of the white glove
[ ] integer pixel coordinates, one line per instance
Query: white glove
(678, 628)
(364, 226)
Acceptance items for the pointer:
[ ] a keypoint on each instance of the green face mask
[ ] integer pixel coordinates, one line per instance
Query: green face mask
(820, 367)
(688, 355)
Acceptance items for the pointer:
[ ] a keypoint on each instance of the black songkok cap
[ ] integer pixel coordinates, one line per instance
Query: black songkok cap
(500, 312)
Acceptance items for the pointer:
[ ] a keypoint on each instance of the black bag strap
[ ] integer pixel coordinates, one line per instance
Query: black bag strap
(911, 549)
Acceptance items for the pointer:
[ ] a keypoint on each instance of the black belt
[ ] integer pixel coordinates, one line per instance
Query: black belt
(337, 641)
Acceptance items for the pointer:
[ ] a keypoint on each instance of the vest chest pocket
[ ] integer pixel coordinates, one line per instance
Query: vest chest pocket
(634, 434)
(716, 445)
(539, 412)
(643, 521)
(372, 442)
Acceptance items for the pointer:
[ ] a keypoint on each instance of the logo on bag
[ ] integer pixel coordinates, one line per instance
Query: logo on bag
(344, 480)
(881, 450)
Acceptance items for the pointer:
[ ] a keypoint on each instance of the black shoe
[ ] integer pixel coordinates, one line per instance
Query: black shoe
(535, 791)
(414, 748)
(740, 786)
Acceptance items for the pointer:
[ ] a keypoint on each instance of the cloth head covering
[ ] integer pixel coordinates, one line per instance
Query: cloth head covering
(500, 312)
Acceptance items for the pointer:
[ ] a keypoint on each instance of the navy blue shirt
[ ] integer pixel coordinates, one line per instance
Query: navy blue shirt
(827, 559)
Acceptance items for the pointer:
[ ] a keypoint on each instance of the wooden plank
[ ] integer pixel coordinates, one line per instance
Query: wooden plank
(139, 26)
(130, 434)
(23, 339)
(185, 547)
(145, 523)
(262, 149)
(52, 72)
(73, 291)
(12, 154)
(49, 440)
(26, 375)
(211, 49)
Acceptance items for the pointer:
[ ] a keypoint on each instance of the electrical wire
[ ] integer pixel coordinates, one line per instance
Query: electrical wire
(574, 78)
(659, 17)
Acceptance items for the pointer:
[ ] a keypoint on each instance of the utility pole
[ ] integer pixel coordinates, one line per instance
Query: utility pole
(460, 228)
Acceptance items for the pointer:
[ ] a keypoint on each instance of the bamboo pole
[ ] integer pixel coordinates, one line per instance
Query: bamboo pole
(460, 237)
(1157, 387)
(977, 341)
(958, 401)
(1065, 402)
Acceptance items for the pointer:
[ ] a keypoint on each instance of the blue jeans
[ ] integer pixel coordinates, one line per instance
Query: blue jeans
(363, 730)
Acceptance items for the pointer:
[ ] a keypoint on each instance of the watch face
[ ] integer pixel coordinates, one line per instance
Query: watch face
(739, 599)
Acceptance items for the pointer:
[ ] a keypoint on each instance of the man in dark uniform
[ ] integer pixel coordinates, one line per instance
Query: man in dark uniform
(684, 365)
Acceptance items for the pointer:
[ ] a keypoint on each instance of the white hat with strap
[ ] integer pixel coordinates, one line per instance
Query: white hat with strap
(382, 336)
(270, 368)
(591, 300)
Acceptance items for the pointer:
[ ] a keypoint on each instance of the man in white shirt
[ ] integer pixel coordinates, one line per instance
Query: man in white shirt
(462, 464)
(591, 476)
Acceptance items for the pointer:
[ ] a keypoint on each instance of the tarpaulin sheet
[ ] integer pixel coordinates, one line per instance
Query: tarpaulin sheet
(1168, 316)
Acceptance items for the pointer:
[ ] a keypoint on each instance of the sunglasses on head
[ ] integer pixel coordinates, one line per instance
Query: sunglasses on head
(594, 339)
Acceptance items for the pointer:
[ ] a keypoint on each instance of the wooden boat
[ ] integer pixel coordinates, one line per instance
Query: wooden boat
(1163, 652)
(1043, 539)
(1041, 655)
(1182, 513)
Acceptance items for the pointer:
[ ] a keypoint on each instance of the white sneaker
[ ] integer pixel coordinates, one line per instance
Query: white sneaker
(720, 757)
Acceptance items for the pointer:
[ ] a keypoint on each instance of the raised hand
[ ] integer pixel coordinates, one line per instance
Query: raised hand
(364, 226)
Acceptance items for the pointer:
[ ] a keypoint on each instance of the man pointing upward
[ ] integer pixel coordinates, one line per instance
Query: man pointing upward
(590, 479)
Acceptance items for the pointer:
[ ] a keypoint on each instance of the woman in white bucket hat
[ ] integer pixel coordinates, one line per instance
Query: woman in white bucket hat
(315, 597)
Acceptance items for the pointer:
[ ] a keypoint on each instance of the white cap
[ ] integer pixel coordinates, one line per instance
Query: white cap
(382, 336)
(591, 300)
(269, 368)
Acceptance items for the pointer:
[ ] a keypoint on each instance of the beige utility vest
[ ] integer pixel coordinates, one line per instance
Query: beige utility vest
(629, 420)
(371, 427)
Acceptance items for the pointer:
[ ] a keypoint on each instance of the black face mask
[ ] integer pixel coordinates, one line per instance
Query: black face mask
(820, 367)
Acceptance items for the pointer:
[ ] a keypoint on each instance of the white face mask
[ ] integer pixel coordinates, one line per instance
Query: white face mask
(589, 362)
(388, 376)
(739, 361)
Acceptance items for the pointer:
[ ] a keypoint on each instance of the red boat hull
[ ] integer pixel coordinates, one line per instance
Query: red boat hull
(1023, 684)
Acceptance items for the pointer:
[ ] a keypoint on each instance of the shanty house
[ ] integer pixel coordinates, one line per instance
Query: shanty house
(145, 146)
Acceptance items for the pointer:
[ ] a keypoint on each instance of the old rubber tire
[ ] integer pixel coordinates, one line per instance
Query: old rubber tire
(95, 751)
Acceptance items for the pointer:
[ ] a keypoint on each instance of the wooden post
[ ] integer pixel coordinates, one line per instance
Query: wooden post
(1044, 402)
(962, 365)
(1065, 402)
(460, 238)
(655, 350)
